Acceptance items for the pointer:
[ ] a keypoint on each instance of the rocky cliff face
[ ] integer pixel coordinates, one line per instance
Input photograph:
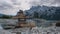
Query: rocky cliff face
(45, 12)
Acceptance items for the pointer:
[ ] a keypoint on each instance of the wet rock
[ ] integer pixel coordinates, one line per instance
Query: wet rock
(58, 24)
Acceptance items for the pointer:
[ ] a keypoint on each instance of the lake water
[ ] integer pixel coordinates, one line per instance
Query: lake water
(42, 27)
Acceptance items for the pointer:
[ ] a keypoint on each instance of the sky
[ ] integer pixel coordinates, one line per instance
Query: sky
(11, 7)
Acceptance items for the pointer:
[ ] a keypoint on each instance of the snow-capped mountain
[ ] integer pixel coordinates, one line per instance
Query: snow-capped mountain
(45, 12)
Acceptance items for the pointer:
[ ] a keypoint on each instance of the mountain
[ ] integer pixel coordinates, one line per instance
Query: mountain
(1, 15)
(5, 16)
(45, 12)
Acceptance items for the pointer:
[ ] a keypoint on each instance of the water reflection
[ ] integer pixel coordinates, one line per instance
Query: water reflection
(42, 27)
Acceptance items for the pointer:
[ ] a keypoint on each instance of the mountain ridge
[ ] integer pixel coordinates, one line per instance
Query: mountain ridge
(45, 12)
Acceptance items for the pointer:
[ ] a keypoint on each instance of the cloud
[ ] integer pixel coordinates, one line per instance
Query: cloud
(12, 6)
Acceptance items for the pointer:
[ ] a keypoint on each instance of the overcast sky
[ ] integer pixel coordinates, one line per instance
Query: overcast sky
(11, 7)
